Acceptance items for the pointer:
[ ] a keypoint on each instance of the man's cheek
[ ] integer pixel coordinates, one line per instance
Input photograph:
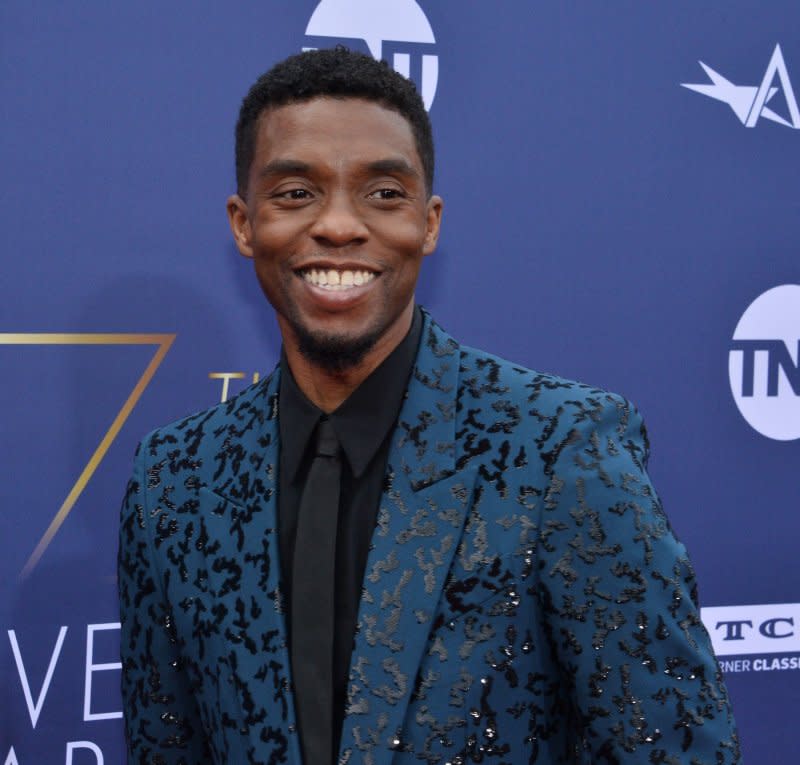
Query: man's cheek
(406, 237)
(274, 230)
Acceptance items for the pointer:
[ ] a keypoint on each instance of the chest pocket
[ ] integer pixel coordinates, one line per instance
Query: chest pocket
(480, 591)
(474, 611)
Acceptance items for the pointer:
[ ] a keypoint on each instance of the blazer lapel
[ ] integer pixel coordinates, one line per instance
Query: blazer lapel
(255, 664)
(420, 522)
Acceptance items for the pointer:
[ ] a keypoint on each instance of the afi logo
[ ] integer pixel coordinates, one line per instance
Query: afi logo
(396, 31)
(764, 363)
(749, 102)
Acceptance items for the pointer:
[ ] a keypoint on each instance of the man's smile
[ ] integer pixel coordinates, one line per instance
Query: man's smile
(337, 288)
(337, 279)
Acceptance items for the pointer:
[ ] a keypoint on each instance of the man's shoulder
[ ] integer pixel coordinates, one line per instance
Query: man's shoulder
(485, 375)
(211, 427)
(510, 404)
(503, 402)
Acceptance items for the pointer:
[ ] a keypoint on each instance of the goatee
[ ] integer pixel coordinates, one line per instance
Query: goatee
(334, 353)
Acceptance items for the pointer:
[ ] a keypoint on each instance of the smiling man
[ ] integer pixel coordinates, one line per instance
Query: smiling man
(336, 211)
(396, 549)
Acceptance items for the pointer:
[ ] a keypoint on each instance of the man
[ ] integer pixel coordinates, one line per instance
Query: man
(395, 548)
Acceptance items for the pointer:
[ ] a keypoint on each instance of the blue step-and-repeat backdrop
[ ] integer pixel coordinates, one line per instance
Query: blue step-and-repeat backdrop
(622, 206)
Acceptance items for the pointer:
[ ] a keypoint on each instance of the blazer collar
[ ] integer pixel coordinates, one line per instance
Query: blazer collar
(420, 523)
(246, 479)
(424, 440)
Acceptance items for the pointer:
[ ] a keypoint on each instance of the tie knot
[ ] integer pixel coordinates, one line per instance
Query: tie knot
(327, 445)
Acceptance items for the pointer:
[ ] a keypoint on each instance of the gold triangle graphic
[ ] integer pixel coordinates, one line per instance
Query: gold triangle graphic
(163, 341)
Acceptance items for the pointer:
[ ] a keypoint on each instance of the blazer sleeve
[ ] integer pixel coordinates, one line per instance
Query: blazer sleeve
(162, 721)
(620, 603)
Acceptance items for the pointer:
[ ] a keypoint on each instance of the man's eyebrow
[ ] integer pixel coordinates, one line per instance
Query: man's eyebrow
(387, 166)
(392, 166)
(284, 167)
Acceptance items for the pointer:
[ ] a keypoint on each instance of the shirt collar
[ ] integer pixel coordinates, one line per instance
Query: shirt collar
(362, 421)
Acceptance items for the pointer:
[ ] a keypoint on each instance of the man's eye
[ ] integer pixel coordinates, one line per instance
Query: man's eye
(386, 194)
(294, 194)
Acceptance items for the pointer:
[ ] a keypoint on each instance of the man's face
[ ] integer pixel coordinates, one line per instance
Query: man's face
(337, 219)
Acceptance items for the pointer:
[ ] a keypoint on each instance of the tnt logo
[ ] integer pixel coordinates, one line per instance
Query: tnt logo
(397, 31)
(764, 363)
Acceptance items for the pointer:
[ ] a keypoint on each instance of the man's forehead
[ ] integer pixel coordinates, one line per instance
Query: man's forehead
(337, 119)
(349, 103)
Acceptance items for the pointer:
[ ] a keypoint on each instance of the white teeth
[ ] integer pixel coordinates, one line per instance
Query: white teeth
(337, 280)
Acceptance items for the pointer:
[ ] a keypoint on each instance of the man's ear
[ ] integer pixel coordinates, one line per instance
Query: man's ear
(434, 221)
(240, 224)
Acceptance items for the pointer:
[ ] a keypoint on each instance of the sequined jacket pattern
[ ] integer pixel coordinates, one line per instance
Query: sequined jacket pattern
(525, 600)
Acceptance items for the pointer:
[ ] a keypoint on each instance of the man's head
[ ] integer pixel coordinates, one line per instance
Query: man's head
(336, 73)
(335, 205)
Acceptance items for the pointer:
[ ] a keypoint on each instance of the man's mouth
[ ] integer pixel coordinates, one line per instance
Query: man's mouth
(333, 279)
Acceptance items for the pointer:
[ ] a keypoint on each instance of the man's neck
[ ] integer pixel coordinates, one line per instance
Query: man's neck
(328, 389)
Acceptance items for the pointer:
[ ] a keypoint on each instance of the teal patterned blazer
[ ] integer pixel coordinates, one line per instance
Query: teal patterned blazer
(524, 601)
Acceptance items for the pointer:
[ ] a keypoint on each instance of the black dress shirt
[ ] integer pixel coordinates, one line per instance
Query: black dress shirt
(363, 425)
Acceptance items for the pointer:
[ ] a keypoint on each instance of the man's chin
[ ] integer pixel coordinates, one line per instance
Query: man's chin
(334, 353)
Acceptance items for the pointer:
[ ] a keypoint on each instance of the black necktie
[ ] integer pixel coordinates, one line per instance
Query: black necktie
(312, 606)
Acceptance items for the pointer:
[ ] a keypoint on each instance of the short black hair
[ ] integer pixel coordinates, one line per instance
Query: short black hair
(339, 73)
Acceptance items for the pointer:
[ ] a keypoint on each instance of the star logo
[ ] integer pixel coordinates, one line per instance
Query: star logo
(749, 102)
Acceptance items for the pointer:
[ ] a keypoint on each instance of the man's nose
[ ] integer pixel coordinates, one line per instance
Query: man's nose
(339, 222)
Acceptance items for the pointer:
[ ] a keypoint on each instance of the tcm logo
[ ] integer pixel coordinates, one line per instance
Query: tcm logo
(749, 102)
(395, 30)
(774, 628)
(740, 630)
(764, 363)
